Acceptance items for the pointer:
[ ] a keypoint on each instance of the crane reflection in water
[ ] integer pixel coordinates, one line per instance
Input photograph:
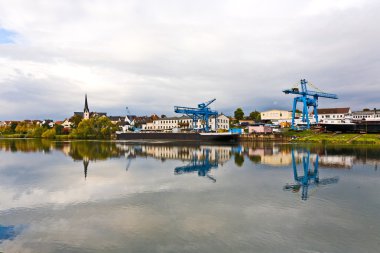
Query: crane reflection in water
(202, 166)
(310, 178)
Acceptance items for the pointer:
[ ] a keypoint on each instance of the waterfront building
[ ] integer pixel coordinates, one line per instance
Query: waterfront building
(260, 128)
(366, 115)
(186, 123)
(333, 115)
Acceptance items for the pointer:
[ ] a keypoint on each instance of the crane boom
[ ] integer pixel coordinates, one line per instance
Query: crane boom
(205, 104)
(203, 113)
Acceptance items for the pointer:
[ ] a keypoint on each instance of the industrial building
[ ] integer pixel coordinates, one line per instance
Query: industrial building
(276, 115)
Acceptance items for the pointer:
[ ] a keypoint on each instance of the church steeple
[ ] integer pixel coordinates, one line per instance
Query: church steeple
(86, 111)
(86, 104)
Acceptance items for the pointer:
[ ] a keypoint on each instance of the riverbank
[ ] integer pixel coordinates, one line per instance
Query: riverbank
(332, 138)
(284, 137)
(55, 137)
(314, 137)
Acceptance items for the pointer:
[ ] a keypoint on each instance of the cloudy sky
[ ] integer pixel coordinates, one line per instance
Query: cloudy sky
(152, 55)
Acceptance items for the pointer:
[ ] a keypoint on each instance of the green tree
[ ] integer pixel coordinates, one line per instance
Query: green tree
(58, 129)
(13, 126)
(21, 128)
(94, 128)
(76, 119)
(49, 134)
(239, 114)
(255, 115)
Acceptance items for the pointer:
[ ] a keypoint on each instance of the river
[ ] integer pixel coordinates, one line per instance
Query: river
(103, 196)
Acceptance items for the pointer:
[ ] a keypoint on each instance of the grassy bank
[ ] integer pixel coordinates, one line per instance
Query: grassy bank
(332, 138)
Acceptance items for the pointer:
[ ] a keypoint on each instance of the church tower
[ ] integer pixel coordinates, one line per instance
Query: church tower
(86, 111)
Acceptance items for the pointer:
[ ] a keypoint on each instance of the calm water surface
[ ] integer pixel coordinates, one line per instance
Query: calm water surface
(160, 197)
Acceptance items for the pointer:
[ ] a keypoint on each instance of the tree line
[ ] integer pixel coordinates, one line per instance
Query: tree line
(93, 128)
(239, 115)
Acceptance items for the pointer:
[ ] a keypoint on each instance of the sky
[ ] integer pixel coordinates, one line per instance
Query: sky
(151, 55)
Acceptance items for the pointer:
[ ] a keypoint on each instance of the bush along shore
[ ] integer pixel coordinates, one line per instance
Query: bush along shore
(93, 128)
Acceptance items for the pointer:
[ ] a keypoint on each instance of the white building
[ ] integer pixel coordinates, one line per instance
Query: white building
(277, 116)
(185, 122)
(333, 115)
(67, 124)
(367, 115)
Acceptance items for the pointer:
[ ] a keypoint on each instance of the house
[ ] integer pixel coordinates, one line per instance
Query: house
(333, 115)
(48, 122)
(37, 122)
(116, 119)
(260, 129)
(67, 124)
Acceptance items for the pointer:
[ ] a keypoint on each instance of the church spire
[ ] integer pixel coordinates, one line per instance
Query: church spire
(86, 111)
(86, 104)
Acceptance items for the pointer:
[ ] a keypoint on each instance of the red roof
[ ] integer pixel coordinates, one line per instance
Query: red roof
(334, 110)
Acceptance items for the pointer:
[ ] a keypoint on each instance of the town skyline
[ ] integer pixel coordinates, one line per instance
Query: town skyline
(150, 57)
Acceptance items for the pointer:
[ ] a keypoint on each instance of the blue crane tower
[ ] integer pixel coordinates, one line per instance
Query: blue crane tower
(203, 113)
(307, 98)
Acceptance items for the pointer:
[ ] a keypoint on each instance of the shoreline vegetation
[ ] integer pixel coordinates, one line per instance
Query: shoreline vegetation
(99, 128)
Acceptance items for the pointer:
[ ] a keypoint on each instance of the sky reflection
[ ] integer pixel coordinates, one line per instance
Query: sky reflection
(120, 197)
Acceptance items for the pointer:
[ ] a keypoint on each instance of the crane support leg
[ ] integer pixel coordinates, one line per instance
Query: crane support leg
(294, 112)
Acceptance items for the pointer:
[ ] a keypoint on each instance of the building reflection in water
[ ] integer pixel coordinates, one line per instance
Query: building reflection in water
(202, 166)
(310, 178)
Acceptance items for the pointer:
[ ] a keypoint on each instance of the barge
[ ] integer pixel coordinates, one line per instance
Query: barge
(207, 137)
(353, 127)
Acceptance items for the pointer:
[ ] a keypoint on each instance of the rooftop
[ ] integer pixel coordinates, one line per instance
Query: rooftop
(334, 110)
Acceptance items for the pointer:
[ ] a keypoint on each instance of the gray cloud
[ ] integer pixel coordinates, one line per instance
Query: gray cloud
(151, 56)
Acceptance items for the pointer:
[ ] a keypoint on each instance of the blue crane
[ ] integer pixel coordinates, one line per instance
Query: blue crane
(307, 98)
(203, 113)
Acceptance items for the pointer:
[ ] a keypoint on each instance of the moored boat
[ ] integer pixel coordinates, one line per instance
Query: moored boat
(219, 137)
(354, 127)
